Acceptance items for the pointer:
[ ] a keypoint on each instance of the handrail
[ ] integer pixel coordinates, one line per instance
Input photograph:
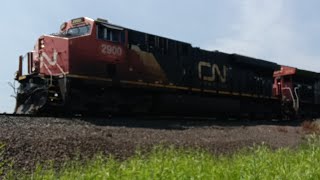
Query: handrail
(49, 72)
(292, 97)
(297, 98)
(59, 67)
(20, 68)
(295, 101)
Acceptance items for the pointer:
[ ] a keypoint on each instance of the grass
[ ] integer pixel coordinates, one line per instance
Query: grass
(171, 163)
(258, 162)
(311, 127)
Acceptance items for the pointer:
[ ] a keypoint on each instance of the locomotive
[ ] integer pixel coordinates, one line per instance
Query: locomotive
(93, 66)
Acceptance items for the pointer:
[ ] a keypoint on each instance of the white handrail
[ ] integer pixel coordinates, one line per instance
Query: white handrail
(297, 98)
(293, 99)
(49, 72)
(57, 64)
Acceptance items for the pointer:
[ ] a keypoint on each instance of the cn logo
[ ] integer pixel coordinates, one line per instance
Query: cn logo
(214, 72)
(51, 61)
(107, 49)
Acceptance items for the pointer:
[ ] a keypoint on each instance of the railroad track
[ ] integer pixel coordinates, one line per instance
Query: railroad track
(26, 115)
(160, 122)
(17, 115)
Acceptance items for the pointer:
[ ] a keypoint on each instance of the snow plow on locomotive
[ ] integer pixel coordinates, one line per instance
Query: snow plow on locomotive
(93, 66)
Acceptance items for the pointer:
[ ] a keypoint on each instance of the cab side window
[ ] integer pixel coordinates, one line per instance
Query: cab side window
(109, 34)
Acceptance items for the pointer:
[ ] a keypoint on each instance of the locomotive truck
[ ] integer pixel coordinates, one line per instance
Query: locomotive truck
(93, 66)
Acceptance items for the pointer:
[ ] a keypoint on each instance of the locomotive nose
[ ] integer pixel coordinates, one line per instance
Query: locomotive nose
(51, 55)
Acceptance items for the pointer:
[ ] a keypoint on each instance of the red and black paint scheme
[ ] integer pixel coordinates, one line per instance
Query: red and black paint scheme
(299, 91)
(93, 66)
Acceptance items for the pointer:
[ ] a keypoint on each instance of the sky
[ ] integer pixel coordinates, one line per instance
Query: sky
(281, 31)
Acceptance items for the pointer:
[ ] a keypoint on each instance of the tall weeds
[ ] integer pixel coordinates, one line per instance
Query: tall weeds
(258, 162)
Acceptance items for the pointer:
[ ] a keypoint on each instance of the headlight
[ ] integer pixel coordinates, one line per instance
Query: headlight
(41, 44)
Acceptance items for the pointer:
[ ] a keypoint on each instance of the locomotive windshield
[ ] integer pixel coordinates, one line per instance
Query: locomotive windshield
(78, 31)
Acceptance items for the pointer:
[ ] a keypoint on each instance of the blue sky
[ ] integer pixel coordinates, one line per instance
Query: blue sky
(282, 31)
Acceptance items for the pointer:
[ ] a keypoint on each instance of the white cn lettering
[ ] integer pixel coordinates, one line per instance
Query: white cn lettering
(52, 61)
(215, 71)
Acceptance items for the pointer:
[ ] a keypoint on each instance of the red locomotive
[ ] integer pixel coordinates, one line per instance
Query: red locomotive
(93, 66)
(298, 90)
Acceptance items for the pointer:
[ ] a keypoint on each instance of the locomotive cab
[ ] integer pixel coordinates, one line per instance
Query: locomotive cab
(84, 48)
(50, 55)
(77, 28)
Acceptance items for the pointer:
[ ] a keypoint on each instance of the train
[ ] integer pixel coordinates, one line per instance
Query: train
(96, 67)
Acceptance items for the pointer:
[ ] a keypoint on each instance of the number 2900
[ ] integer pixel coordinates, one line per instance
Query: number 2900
(111, 50)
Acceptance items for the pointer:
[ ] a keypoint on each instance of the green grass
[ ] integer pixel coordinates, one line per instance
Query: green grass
(171, 163)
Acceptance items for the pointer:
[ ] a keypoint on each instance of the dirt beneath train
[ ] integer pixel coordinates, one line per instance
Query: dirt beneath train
(29, 141)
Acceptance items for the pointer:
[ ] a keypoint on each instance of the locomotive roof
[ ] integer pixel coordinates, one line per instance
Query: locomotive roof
(241, 59)
(255, 62)
(106, 23)
(307, 73)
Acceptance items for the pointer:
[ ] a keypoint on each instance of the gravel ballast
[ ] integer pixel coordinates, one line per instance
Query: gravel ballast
(30, 140)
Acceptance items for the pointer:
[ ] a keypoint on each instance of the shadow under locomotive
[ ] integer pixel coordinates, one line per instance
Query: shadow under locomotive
(182, 123)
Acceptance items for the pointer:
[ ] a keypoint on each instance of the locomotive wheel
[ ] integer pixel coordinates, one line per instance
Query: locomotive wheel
(288, 112)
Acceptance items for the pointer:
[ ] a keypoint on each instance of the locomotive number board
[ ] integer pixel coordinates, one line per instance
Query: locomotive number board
(77, 21)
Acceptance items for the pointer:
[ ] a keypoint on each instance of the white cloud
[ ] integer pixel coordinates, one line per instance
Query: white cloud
(265, 29)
